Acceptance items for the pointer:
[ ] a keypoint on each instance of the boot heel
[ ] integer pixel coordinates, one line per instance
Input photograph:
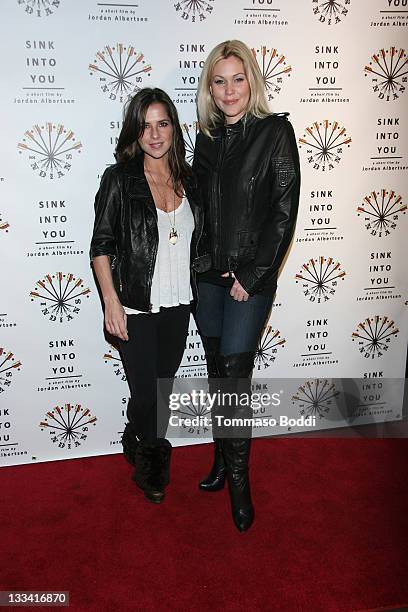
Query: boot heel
(241, 503)
(236, 453)
(212, 484)
(215, 480)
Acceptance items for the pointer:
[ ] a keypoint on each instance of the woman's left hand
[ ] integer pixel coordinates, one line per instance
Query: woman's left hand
(237, 291)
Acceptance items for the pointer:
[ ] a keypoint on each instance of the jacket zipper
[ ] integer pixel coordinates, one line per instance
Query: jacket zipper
(152, 266)
(118, 261)
(199, 219)
(217, 209)
(250, 195)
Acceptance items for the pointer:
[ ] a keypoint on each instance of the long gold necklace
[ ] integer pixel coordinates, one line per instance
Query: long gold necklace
(173, 234)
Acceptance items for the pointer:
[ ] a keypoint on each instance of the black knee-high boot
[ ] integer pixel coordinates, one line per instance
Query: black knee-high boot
(235, 368)
(216, 478)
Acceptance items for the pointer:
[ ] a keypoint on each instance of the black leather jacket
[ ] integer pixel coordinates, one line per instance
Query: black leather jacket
(125, 229)
(249, 177)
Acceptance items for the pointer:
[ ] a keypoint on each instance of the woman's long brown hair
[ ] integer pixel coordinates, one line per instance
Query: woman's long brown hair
(133, 128)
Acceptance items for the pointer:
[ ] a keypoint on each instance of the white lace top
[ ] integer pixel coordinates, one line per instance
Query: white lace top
(171, 277)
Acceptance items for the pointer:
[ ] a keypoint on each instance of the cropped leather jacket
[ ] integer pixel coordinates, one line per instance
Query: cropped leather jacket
(126, 230)
(249, 178)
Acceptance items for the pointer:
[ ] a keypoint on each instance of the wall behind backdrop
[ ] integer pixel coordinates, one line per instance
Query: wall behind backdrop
(339, 68)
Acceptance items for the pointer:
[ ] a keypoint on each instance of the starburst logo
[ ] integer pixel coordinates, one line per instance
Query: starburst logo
(388, 72)
(330, 12)
(374, 335)
(60, 296)
(8, 366)
(4, 225)
(190, 131)
(120, 70)
(274, 69)
(113, 357)
(268, 346)
(39, 8)
(380, 211)
(199, 411)
(324, 144)
(319, 278)
(315, 397)
(194, 10)
(193, 409)
(68, 425)
(50, 149)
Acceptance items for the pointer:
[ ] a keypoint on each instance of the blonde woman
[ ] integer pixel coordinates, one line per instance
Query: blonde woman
(247, 165)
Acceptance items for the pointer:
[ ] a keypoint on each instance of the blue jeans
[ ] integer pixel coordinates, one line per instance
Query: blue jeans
(238, 324)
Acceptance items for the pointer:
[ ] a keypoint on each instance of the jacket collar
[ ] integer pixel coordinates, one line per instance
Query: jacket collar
(235, 128)
(239, 126)
(135, 168)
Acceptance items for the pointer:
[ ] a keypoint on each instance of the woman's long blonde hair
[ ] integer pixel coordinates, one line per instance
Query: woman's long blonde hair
(208, 114)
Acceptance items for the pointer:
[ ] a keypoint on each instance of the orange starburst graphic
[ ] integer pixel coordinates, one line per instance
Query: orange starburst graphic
(388, 71)
(324, 143)
(190, 131)
(269, 344)
(120, 70)
(319, 278)
(8, 365)
(274, 68)
(381, 211)
(50, 149)
(60, 295)
(68, 425)
(315, 397)
(374, 335)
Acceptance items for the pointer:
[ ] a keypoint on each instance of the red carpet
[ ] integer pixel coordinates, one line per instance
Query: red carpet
(330, 532)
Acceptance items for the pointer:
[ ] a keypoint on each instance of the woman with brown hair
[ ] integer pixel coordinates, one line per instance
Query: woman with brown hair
(247, 166)
(145, 241)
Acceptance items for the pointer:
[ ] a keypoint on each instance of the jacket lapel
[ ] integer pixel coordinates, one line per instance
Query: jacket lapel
(138, 185)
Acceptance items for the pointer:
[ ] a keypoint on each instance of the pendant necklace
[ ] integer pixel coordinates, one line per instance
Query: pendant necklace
(173, 235)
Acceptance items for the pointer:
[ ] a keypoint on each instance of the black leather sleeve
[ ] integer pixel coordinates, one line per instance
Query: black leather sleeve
(107, 215)
(202, 262)
(196, 165)
(279, 225)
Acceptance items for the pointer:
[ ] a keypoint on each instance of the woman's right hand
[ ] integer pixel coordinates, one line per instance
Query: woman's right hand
(116, 319)
(115, 316)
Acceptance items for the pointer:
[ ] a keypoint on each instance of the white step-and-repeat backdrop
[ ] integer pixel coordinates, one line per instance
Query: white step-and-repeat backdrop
(339, 67)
